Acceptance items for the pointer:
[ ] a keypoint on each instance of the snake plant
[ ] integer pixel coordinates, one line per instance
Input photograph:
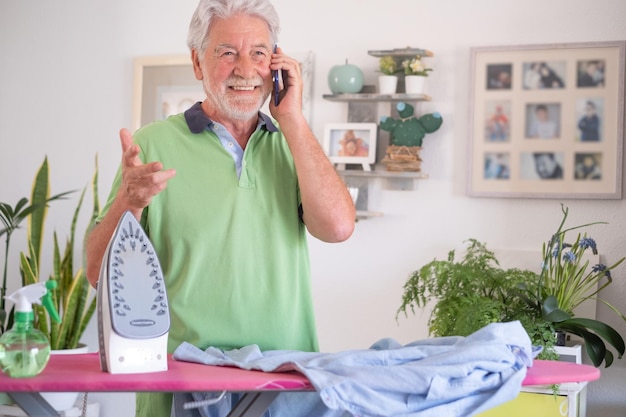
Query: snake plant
(11, 218)
(73, 297)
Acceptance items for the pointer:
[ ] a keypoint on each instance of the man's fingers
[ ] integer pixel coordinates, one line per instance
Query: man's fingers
(126, 138)
(130, 151)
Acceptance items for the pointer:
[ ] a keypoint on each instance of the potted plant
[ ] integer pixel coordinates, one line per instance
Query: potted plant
(73, 297)
(566, 281)
(388, 82)
(476, 291)
(471, 292)
(414, 75)
(11, 218)
(73, 290)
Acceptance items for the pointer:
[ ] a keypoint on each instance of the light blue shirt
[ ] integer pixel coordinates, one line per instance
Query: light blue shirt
(447, 376)
(229, 143)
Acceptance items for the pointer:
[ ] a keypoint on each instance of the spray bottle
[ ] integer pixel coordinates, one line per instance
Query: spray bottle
(24, 350)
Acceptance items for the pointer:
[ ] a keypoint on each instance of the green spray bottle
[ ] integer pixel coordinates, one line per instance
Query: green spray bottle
(24, 350)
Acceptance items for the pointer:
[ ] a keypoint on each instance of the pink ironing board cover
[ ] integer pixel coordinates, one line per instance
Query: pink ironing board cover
(557, 372)
(82, 373)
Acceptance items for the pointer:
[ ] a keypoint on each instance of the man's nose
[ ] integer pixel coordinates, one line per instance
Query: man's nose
(245, 67)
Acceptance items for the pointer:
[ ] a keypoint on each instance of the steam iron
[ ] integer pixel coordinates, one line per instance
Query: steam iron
(132, 309)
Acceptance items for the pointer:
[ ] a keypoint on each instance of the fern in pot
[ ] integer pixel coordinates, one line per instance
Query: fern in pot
(471, 292)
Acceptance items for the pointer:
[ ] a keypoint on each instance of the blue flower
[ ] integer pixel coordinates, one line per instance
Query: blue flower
(588, 242)
(569, 257)
(559, 248)
(601, 268)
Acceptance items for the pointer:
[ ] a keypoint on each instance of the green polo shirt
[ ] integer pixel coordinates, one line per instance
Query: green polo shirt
(233, 249)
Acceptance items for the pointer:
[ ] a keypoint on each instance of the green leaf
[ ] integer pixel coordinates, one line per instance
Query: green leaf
(594, 345)
(39, 197)
(608, 358)
(603, 330)
(550, 310)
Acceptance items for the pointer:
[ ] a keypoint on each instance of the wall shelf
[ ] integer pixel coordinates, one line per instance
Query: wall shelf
(375, 98)
(361, 214)
(407, 52)
(393, 180)
(382, 173)
(363, 108)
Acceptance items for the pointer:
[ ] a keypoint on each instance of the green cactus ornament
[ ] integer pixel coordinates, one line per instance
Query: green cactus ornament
(409, 130)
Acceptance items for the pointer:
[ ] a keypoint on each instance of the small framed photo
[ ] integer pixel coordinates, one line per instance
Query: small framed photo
(547, 121)
(351, 143)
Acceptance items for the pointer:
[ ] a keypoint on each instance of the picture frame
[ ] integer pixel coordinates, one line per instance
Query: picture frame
(163, 85)
(547, 121)
(351, 143)
(166, 84)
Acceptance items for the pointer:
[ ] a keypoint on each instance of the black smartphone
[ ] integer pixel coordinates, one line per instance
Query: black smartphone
(276, 84)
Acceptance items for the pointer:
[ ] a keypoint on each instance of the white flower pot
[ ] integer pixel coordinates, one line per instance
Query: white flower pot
(414, 84)
(387, 84)
(61, 401)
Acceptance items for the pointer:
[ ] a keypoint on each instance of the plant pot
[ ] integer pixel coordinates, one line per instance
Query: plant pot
(61, 401)
(387, 84)
(414, 84)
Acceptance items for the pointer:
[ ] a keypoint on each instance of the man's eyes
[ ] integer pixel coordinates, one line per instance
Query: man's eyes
(231, 56)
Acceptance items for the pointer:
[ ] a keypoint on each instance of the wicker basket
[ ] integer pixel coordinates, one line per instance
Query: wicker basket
(402, 158)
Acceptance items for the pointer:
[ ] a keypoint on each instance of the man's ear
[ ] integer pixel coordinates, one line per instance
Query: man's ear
(195, 61)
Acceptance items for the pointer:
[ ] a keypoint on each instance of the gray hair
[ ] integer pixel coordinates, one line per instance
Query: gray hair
(209, 10)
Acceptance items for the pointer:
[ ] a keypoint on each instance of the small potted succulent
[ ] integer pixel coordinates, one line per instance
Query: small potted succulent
(414, 74)
(388, 81)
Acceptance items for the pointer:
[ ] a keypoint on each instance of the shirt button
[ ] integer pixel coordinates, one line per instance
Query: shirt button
(244, 163)
(230, 144)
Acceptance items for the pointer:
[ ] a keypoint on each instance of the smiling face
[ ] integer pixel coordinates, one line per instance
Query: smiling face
(545, 165)
(235, 69)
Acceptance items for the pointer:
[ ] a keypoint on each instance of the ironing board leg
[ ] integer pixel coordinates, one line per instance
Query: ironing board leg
(253, 404)
(33, 404)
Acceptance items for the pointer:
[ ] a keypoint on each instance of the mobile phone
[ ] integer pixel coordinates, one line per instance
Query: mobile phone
(276, 85)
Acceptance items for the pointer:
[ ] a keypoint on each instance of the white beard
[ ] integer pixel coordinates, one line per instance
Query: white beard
(238, 108)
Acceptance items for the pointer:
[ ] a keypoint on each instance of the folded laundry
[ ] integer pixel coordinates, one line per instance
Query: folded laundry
(446, 376)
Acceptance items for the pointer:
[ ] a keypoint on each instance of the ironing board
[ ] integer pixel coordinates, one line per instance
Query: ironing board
(81, 373)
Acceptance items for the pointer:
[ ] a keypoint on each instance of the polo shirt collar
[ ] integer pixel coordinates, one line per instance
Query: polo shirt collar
(197, 120)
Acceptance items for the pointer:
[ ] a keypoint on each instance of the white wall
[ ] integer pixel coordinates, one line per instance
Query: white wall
(66, 88)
